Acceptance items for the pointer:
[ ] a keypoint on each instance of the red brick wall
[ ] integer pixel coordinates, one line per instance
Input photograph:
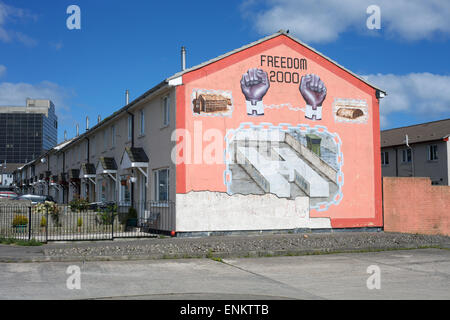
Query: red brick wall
(413, 205)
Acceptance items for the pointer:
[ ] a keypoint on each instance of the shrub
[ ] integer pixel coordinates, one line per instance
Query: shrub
(107, 214)
(132, 213)
(79, 222)
(79, 205)
(20, 220)
(43, 222)
(52, 209)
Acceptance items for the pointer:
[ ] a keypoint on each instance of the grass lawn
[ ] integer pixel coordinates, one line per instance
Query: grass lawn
(25, 243)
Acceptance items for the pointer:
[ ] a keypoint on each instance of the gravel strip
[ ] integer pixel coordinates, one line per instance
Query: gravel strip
(240, 246)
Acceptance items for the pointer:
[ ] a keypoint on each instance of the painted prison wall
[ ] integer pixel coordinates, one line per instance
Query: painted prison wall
(278, 137)
(413, 205)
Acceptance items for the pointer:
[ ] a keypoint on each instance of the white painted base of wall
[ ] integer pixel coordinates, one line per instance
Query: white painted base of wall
(217, 211)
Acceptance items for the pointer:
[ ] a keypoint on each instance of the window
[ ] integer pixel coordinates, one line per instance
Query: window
(166, 110)
(433, 152)
(130, 127)
(113, 136)
(161, 179)
(125, 196)
(102, 191)
(142, 118)
(385, 158)
(406, 155)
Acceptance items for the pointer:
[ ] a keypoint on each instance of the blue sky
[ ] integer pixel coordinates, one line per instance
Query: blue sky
(135, 44)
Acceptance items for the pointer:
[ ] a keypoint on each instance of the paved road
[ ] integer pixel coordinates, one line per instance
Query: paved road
(405, 274)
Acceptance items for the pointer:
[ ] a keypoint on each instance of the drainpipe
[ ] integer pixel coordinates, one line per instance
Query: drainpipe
(132, 145)
(88, 150)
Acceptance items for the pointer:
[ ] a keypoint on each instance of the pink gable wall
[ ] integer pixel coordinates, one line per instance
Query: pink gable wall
(361, 201)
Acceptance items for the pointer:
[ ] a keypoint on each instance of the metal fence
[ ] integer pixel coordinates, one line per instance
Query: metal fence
(102, 222)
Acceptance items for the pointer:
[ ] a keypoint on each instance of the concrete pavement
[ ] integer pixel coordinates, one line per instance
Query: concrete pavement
(404, 274)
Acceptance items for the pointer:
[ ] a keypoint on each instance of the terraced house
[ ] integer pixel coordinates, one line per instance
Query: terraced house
(271, 136)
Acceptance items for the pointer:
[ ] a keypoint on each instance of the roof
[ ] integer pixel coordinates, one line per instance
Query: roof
(281, 32)
(430, 131)
(62, 145)
(136, 154)
(74, 173)
(88, 168)
(117, 113)
(108, 163)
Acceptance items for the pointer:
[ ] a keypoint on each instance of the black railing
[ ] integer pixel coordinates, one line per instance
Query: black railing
(100, 221)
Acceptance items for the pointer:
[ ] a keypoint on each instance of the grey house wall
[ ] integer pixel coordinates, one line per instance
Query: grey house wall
(156, 142)
(437, 170)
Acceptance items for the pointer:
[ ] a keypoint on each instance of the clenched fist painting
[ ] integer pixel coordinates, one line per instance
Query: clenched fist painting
(254, 85)
(314, 92)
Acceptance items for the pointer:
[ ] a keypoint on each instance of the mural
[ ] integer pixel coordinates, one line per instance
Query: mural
(254, 85)
(212, 103)
(285, 118)
(288, 161)
(350, 110)
(314, 92)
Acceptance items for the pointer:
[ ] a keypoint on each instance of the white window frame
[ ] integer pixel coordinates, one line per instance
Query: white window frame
(433, 156)
(384, 157)
(142, 122)
(405, 156)
(156, 184)
(122, 188)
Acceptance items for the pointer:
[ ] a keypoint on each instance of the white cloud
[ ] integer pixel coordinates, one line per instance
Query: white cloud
(424, 95)
(15, 94)
(2, 70)
(9, 13)
(325, 20)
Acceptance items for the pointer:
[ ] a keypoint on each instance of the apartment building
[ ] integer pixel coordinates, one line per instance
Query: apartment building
(254, 139)
(421, 150)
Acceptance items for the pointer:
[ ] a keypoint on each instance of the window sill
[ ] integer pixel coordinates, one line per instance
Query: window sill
(141, 136)
(159, 205)
(165, 126)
